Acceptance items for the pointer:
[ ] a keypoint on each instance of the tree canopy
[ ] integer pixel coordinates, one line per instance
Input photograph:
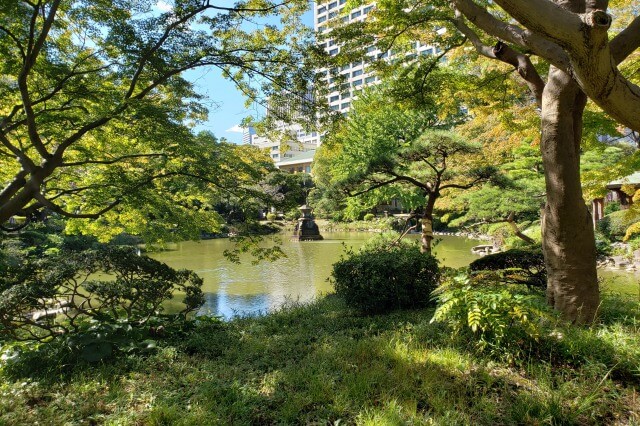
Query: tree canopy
(403, 149)
(94, 105)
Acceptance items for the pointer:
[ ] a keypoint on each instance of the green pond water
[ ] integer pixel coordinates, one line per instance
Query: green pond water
(245, 289)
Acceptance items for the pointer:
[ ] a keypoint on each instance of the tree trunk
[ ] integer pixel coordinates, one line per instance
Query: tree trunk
(427, 224)
(568, 238)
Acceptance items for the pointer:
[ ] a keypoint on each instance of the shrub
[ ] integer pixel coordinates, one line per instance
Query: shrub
(603, 244)
(517, 266)
(271, 217)
(59, 295)
(632, 231)
(369, 217)
(382, 277)
(611, 207)
(293, 214)
(616, 224)
(497, 315)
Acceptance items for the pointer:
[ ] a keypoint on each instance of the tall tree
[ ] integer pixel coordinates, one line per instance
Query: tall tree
(386, 144)
(92, 89)
(573, 38)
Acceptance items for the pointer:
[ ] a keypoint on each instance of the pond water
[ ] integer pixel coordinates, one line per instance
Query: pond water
(245, 289)
(623, 282)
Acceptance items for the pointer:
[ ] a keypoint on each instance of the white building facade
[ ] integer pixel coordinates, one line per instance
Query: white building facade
(354, 77)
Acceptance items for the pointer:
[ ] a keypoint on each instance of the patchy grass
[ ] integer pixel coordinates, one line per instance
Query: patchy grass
(324, 364)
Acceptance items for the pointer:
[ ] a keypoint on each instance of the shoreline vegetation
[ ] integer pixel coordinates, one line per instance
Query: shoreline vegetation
(322, 363)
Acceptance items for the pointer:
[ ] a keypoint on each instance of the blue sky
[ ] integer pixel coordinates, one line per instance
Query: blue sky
(226, 104)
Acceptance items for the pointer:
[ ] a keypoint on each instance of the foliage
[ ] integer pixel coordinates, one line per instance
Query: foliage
(603, 244)
(368, 217)
(611, 207)
(503, 318)
(97, 115)
(293, 214)
(518, 266)
(615, 225)
(62, 294)
(508, 138)
(325, 363)
(600, 164)
(383, 277)
(385, 143)
(271, 217)
(632, 231)
(286, 191)
(208, 182)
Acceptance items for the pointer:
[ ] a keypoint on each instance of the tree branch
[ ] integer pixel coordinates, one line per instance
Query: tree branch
(502, 52)
(522, 38)
(112, 161)
(15, 40)
(626, 42)
(29, 62)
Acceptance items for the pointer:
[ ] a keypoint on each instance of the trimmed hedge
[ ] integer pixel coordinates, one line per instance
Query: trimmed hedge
(381, 279)
(519, 266)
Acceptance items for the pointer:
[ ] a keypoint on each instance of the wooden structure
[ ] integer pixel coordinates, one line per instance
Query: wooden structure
(616, 194)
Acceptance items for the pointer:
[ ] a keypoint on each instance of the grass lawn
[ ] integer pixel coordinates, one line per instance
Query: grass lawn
(325, 364)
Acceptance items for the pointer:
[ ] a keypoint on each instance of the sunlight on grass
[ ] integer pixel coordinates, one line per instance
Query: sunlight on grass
(323, 364)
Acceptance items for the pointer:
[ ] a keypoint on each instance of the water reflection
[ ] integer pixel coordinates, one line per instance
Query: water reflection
(247, 289)
(230, 305)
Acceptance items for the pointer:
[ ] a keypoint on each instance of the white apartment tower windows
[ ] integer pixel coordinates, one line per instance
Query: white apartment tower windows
(355, 75)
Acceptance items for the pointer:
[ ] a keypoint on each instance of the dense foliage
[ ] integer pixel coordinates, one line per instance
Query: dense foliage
(96, 115)
(615, 224)
(518, 266)
(383, 277)
(503, 317)
(65, 293)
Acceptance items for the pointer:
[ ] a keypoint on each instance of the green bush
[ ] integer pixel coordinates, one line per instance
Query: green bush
(383, 277)
(501, 317)
(615, 225)
(517, 266)
(271, 217)
(293, 214)
(603, 244)
(56, 296)
(369, 217)
(611, 207)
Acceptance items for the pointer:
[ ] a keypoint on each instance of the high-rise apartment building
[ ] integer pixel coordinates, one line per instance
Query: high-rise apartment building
(354, 77)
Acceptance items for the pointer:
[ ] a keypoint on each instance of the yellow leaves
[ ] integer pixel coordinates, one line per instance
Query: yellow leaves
(632, 231)
(500, 131)
(628, 188)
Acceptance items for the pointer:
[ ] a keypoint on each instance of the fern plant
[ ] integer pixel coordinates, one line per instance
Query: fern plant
(497, 315)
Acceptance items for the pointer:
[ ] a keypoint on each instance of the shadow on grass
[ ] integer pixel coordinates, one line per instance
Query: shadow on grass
(322, 363)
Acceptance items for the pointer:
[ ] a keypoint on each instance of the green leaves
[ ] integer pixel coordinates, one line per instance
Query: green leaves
(66, 293)
(498, 315)
(95, 111)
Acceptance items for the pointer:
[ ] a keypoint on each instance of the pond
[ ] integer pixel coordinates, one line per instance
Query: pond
(246, 289)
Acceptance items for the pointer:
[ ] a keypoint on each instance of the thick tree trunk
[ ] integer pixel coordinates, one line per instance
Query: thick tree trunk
(568, 239)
